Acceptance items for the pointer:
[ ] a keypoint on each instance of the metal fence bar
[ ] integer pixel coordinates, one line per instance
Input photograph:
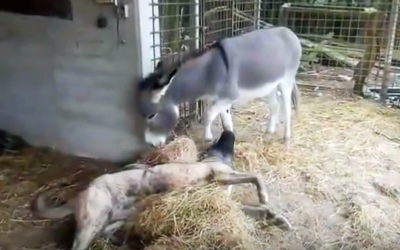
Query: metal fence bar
(147, 33)
(257, 12)
(344, 43)
(389, 49)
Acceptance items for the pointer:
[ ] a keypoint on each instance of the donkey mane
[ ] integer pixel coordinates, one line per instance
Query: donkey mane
(195, 54)
(164, 72)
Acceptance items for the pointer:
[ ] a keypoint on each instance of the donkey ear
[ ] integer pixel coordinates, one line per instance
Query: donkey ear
(153, 81)
(164, 79)
(161, 86)
(159, 66)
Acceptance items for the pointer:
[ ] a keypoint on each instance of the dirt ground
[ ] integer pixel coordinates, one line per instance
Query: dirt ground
(336, 199)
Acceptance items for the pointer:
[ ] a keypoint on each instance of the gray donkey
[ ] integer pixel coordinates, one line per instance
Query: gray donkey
(260, 63)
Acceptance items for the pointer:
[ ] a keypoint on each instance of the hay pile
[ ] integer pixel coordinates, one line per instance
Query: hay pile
(199, 218)
(181, 149)
(339, 184)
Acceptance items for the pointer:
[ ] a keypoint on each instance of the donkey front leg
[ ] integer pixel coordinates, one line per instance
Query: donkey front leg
(234, 177)
(226, 119)
(227, 124)
(216, 108)
(260, 213)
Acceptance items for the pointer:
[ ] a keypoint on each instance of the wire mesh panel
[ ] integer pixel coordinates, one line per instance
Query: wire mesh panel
(352, 44)
(345, 43)
(179, 34)
(227, 18)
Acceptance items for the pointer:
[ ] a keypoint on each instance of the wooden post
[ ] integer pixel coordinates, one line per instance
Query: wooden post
(283, 14)
(363, 68)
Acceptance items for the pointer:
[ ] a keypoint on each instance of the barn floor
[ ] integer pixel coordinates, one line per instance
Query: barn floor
(339, 183)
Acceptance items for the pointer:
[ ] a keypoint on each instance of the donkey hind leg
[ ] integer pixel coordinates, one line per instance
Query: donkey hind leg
(260, 213)
(234, 178)
(286, 89)
(274, 107)
(216, 108)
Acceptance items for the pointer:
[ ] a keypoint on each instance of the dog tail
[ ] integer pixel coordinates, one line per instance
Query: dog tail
(43, 210)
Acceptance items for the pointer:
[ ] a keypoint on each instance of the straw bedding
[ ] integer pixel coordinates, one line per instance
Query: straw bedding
(339, 185)
(199, 218)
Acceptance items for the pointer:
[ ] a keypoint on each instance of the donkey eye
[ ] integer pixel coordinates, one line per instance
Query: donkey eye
(151, 116)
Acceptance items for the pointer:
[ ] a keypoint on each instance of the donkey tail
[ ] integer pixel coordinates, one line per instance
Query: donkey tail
(296, 99)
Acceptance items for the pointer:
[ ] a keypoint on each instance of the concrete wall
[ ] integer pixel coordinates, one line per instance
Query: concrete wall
(67, 84)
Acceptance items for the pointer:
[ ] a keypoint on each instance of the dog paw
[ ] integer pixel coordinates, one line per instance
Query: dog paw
(283, 223)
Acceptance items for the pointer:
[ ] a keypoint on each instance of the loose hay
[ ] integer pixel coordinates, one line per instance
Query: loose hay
(339, 181)
(181, 149)
(200, 218)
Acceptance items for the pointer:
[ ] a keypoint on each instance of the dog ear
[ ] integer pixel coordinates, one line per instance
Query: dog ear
(160, 87)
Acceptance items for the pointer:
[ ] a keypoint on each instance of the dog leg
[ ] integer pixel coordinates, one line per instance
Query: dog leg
(84, 237)
(120, 219)
(110, 230)
(234, 177)
(229, 190)
(136, 166)
(263, 213)
(91, 224)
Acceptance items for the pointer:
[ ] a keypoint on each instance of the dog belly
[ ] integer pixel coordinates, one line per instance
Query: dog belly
(177, 176)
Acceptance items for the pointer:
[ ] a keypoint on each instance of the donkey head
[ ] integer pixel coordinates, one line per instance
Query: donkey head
(160, 112)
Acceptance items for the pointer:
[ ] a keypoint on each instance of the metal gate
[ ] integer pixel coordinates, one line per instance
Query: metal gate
(186, 25)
